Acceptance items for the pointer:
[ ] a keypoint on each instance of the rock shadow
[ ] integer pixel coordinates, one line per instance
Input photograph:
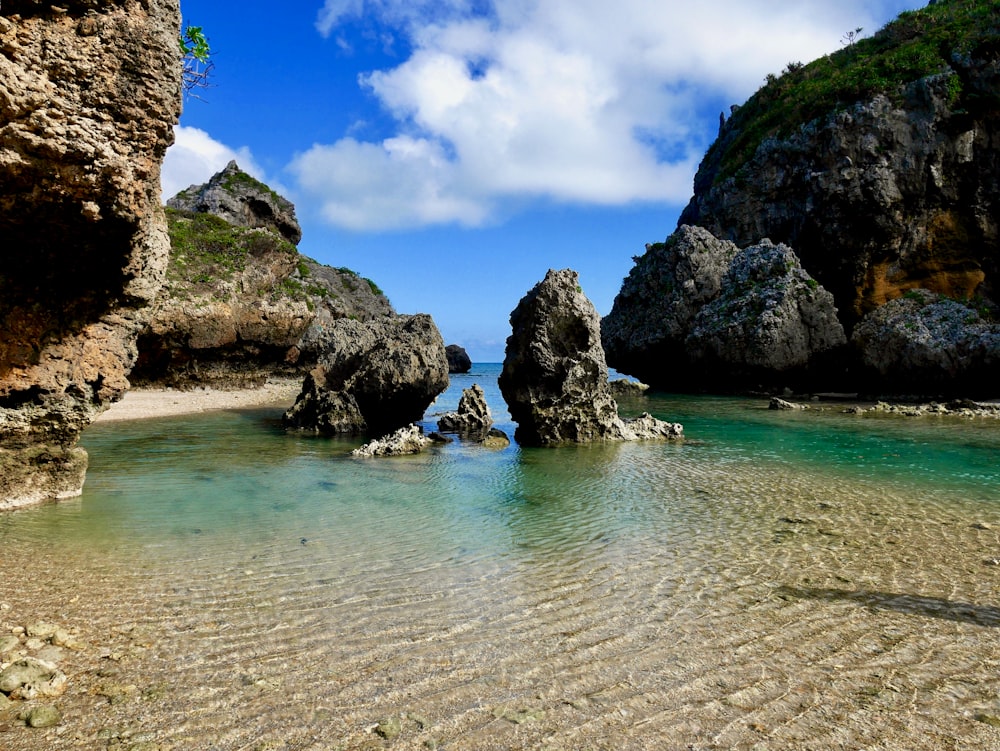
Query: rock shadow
(932, 607)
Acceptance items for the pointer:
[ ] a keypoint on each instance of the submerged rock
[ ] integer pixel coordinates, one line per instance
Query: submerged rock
(473, 415)
(554, 377)
(374, 377)
(29, 678)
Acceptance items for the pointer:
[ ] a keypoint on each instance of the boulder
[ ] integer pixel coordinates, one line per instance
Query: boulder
(473, 416)
(373, 377)
(698, 312)
(241, 200)
(458, 359)
(555, 378)
(924, 342)
(406, 440)
(89, 95)
(769, 317)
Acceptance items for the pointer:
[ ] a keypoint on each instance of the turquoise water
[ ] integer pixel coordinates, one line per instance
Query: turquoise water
(631, 592)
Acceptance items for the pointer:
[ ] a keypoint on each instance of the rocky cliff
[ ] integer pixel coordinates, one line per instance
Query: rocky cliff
(240, 302)
(89, 94)
(879, 166)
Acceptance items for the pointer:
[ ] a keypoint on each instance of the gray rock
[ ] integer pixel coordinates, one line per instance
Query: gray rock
(241, 200)
(29, 678)
(374, 377)
(406, 440)
(473, 415)
(554, 377)
(697, 311)
(926, 342)
(778, 403)
(770, 315)
(458, 359)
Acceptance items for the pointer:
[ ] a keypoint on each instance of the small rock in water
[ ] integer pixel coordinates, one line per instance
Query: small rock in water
(8, 643)
(981, 525)
(389, 728)
(43, 716)
(988, 719)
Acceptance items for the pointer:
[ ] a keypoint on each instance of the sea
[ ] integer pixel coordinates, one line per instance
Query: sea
(778, 580)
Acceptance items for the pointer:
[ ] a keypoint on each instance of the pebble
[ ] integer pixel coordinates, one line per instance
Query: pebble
(8, 643)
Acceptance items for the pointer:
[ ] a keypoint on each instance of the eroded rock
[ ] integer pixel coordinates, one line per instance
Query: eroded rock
(374, 377)
(85, 119)
(241, 200)
(406, 440)
(555, 378)
(698, 312)
(473, 416)
(458, 359)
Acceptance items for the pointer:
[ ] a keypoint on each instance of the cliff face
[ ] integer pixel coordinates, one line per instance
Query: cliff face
(880, 167)
(89, 94)
(886, 196)
(241, 303)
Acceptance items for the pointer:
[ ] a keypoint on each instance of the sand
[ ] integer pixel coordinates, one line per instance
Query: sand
(140, 404)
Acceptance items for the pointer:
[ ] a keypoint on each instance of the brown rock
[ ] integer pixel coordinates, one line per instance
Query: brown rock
(88, 100)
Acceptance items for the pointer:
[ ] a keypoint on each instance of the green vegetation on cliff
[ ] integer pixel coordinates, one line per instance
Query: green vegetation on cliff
(917, 44)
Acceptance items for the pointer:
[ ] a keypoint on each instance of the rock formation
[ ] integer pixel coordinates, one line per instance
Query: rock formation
(89, 94)
(697, 311)
(240, 303)
(879, 165)
(374, 377)
(555, 378)
(473, 416)
(409, 439)
(241, 200)
(458, 359)
(925, 343)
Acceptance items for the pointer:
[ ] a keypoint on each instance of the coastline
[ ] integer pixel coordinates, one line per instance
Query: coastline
(144, 404)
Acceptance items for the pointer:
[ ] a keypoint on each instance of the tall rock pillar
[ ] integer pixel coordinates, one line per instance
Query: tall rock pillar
(89, 93)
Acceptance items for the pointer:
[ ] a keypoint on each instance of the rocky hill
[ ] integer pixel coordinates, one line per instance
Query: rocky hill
(879, 166)
(240, 302)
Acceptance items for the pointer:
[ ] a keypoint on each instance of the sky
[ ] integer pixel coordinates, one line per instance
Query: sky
(455, 150)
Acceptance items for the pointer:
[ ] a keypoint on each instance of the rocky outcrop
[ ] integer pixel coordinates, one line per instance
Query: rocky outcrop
(879, 165)
(473, 416)
(458, 359)
(241, 303)
(374, 377)
(89, 94)
(555, 378)
(924, 342)
(242, 201)
(697, 311)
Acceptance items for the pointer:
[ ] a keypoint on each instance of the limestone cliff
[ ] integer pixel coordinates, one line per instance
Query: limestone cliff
(241, 303)
(89, 94)
(878, 165)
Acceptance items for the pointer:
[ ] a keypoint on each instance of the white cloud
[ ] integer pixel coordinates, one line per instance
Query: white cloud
(565, 100)
(195, 156)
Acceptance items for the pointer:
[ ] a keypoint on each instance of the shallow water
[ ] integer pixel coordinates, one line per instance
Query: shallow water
(780, 580)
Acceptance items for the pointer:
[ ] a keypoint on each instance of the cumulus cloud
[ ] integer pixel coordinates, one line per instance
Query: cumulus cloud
(195, 156)
(580, 101)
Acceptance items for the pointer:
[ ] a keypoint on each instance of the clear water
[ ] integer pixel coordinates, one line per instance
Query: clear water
(780, 580)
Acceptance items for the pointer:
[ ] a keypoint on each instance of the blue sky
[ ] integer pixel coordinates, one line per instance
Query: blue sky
(455, 150)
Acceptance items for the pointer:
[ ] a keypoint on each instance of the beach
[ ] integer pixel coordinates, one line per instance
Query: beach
(142, 404)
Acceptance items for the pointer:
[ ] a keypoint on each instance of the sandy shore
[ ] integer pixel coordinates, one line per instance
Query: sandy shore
(140, 404)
